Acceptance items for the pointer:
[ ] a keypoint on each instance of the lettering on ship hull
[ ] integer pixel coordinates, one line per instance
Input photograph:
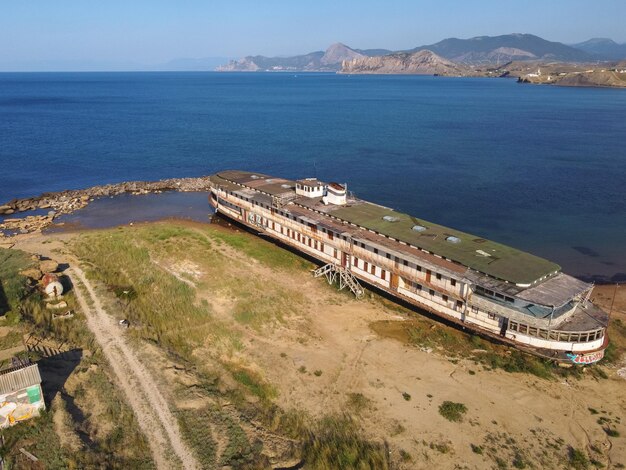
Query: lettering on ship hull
(586, 358)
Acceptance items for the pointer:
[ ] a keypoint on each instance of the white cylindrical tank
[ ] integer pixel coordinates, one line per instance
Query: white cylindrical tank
(54, 289)
(51, 285)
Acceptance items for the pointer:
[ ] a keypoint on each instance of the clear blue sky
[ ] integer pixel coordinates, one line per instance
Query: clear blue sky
(155, 31)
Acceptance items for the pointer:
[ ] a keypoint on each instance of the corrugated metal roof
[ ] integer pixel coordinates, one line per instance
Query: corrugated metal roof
(15, 379)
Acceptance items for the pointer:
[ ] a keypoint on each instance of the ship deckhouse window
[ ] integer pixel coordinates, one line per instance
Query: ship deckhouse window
(438, 277)
(453, 282)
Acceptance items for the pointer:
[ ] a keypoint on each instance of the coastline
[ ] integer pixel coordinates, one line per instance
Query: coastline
(62, 211)
(68, 201)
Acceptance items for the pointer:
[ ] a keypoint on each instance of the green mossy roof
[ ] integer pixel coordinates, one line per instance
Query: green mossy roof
(504, 262)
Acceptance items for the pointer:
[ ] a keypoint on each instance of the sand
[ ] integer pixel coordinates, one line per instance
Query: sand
(323, 357)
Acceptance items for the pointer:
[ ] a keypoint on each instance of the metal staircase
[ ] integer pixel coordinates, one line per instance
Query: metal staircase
(332, 270)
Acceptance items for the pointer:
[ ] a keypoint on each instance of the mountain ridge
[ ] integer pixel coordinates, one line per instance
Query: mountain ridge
(475, 51)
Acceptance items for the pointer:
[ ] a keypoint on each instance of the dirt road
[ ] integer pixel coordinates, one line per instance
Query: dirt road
(151, 409)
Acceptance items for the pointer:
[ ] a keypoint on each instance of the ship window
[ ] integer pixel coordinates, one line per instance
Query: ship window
(438, 277)
(509, 299)
(405, 262)
(474, 309)
(492, 316)
(459, 305)
(365, 266)
(388, 256)
(382, 274)
(418, 267)
(375, 251)
(445, 298)
(499, 296)
(453, 282)
(431, 292)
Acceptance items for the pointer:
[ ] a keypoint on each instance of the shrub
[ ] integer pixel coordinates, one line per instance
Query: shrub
(477, 449)
(452, 411)
(578, 459)
(406, 396)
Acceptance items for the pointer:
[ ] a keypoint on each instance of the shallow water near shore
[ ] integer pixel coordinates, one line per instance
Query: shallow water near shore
(536, 167)
(126, 209)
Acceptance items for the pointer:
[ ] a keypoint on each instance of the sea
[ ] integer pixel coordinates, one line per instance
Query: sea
(541, 168)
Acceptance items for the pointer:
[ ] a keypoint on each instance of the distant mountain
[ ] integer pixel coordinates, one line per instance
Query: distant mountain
(480, 50)
(499, 49)
(603, 49)
(422, 62)
(319, 61)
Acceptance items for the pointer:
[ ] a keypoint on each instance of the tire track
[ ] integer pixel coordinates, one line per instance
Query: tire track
(150, 407)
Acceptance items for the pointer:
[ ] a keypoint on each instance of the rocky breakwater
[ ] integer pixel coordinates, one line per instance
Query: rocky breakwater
(66, 202)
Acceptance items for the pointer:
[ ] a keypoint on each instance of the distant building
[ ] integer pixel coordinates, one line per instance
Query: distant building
(21, 396)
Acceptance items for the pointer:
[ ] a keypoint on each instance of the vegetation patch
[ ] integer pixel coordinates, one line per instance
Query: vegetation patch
(578, 459)
(358, 403)
(336, 442)
(452, 411)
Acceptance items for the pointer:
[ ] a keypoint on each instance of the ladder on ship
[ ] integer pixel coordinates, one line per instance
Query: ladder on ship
(332, 271)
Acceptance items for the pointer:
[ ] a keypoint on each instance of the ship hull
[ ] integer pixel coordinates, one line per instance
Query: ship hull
(307, 243)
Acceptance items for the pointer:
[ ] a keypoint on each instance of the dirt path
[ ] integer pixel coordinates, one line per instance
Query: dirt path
(150, 407)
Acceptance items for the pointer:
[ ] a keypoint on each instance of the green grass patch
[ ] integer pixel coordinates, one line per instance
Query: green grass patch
(254, 384)
(196, 426)
(336, 442)
(261, 250)
(13, 288)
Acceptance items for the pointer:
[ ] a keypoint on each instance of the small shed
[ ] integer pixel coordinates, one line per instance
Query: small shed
(21, 395)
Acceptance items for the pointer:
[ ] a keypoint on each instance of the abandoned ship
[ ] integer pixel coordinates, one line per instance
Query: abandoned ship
(484, 286)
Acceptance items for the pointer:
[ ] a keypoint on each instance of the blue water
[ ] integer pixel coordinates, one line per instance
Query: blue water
(541, 168)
